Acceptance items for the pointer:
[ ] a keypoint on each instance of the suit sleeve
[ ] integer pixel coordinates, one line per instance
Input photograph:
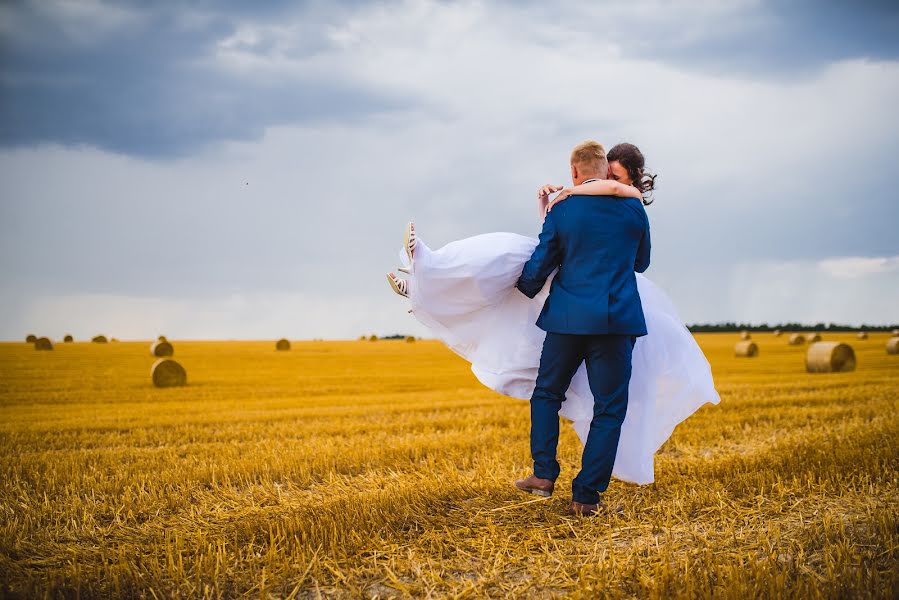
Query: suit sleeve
(543, 261)
(642, 262)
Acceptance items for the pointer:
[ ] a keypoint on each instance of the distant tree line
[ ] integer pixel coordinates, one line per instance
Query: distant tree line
(730, 327)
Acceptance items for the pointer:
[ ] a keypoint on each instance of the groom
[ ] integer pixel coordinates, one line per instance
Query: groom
(593, 314)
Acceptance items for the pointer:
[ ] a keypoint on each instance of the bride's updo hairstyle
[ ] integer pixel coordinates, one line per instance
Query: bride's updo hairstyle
(630, 157)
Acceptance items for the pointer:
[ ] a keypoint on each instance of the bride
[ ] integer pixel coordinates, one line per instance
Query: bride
(465, 294)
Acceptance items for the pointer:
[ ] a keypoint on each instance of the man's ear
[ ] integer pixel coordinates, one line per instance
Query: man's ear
(573, 172)
(609, 171)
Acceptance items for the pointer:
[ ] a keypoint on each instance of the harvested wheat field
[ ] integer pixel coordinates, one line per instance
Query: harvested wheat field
(353, 469)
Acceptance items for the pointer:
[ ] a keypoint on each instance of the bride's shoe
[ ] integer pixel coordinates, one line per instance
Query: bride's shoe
(409, 246)
(400, 286)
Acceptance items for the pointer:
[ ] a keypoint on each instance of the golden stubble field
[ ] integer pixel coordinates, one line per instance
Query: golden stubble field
(383, 469)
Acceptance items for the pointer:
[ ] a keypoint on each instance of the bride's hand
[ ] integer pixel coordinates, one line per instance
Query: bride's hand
(545, 190)
(564, 193)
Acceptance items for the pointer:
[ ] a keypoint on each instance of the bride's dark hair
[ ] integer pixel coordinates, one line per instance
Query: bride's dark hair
(630, 157)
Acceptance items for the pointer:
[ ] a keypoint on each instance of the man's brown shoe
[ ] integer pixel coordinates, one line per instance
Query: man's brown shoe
(588, 510)
(535, 485)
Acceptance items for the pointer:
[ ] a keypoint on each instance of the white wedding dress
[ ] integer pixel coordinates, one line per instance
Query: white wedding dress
(465, 294)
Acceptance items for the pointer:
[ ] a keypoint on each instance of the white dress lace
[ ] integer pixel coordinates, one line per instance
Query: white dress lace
(465, 294)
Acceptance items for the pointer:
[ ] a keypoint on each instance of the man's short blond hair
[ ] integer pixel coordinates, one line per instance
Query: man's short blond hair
(590, 155)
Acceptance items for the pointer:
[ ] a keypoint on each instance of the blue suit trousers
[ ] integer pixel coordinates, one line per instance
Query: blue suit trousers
(608, 359)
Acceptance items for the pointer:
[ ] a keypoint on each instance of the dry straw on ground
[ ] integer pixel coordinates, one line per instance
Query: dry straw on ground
(43, 343)
(68, 339)
(893, 345)
(161, 349)
(796, 339)
(351, 470)
(282, 344)
(99, 339)
(168, 373)
(746, 348)
(830, 357)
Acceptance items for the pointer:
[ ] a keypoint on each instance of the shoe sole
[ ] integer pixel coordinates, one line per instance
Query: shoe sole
(542, 493)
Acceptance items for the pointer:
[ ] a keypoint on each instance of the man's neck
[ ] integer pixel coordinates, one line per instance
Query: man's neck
(581, 180)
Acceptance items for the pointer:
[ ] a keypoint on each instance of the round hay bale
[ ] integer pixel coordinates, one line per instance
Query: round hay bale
(68, 339)
(813, 337)
(162, 338)
(746, 348)
(30, 338)
(43, 343)
(895, 333)
(862, 335)
(362, 338)
(410, 338)
(893, 345)
(99, 339)
(776, 332)
(168, 373)
(282, 345)
(161, 349)
(372, 338)
(744, 335)
(797, 339)
(829, 357)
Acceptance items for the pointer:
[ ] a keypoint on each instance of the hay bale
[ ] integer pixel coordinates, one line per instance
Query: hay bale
(168, 373)
(893, 345)
(746, 348)
(776, 332)
(43, 343)
(372, 338)
(410, 338)
(829, 357)
(744, 335)
(68, 339)
(282, 345)
(162, 338)
(895, 333)
(161, 349)
(99, 339)
(813, 337)
(30, 338)
(862, 335)
(797, 339)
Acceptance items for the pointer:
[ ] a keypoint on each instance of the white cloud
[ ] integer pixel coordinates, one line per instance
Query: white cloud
(854, 267)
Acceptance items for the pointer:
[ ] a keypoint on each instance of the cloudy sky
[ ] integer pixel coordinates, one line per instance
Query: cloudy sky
(244, 170)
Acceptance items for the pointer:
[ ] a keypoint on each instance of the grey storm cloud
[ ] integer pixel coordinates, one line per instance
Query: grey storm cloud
(134, 78)
(143, 85)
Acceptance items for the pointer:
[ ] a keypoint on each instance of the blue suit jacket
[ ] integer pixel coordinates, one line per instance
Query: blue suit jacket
(597, 242)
